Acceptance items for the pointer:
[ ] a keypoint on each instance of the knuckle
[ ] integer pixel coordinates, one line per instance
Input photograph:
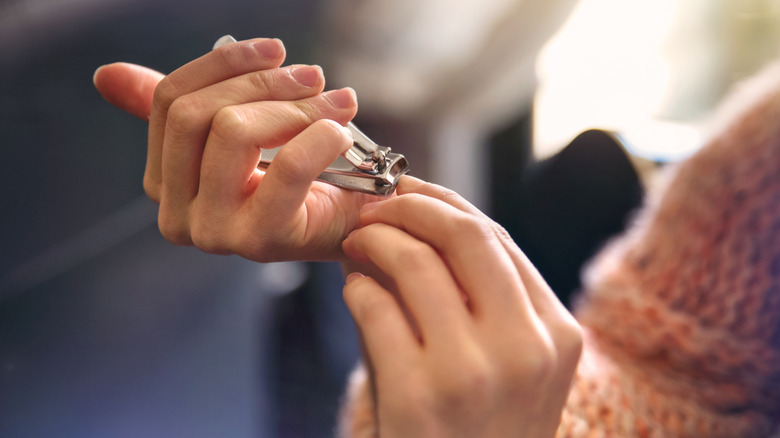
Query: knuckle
(307, 112)
(475, 379)
(537, 363)
(570, 339)
(229, 122)
(210, 230)
(259, 246)
(173, 230)
(528, 377)
(502, 233)
(298, 161)
(475, 384)
(165, 93)
(184, 114)
(234, 56)
(446, 194)
(415, 254)
(208, 239)
(327, 127)
(292, 165)
(151, 188)
(262, 81)
(471, 227)
(414, 396)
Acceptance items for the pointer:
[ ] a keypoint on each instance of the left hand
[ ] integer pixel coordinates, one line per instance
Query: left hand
(471, 342)
(208, 122)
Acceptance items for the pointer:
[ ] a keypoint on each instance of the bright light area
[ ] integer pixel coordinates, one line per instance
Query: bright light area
(605, 69)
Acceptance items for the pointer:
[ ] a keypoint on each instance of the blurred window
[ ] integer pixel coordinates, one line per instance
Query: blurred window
(651, 69)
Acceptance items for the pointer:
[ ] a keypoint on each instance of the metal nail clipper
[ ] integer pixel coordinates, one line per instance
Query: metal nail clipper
(366, 167)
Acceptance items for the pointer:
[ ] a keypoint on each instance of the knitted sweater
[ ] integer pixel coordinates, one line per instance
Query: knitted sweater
(682, 312)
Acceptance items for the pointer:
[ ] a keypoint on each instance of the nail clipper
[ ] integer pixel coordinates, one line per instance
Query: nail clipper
(366, 167)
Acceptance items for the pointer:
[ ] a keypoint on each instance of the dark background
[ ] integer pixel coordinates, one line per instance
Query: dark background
(106, 330)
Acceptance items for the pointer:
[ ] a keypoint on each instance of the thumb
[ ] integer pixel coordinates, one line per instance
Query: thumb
(129, 87)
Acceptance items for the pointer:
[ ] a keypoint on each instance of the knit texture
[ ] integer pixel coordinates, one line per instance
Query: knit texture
(682, 312)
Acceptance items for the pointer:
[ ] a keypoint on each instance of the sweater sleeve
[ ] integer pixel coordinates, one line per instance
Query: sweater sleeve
(682, 312)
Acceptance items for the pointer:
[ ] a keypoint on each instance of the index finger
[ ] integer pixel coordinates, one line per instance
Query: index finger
(544, 300)
(476, 257)
(425, 285)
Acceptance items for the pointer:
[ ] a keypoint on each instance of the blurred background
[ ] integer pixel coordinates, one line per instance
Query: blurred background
(106, 330)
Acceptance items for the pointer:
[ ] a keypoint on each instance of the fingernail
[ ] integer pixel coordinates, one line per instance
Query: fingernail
(307, 75)
(408, 183)
(346, 131)
(354, 276)
(343, 98)
(351, 233)
(270, 49)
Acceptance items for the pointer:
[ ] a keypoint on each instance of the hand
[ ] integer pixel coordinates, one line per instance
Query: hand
(472, 342)
(208, 122)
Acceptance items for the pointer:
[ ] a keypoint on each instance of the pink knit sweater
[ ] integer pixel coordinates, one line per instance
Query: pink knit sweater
(682, 312)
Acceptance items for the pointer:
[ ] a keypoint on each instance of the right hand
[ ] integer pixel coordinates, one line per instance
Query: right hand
(209, 121)
(468, 340)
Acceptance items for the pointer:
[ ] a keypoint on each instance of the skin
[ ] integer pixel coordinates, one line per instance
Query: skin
(463, 335)
(470, 341)
(209, 121)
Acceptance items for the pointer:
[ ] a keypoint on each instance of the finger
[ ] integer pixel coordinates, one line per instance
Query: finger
(276, 198)
(468, 243)
(190, 119)
(288, 179)
(558, 321)
(410, 184)
(564, 332)
(216, 66)
(129, 87)
(425, 284)
(388, 339)
(228, 171)
(543, 299)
